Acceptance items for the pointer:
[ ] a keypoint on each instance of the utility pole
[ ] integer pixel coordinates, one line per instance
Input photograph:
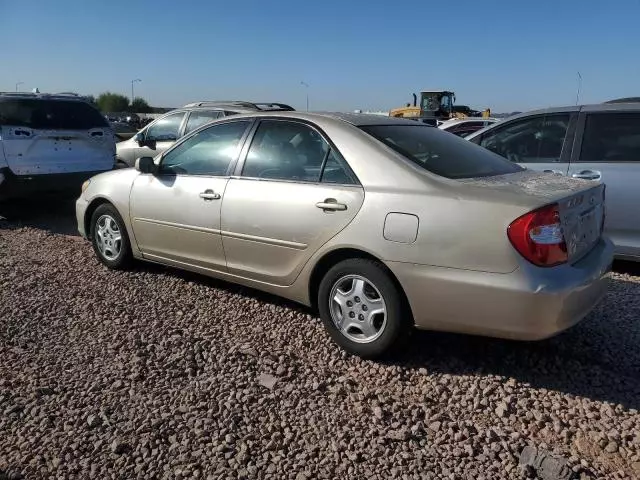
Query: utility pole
(307, 87)
(132, 82)
(18, 84)
(579, 88)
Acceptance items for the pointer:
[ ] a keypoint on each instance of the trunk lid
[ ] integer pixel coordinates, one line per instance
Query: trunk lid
(581, 203)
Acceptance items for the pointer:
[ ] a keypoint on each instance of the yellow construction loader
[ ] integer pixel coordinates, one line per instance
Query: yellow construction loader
(436, 105)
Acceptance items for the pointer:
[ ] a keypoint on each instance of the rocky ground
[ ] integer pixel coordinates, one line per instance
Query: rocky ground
(156, 373)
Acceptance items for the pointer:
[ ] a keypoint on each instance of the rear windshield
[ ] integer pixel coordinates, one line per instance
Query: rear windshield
(440, 152)
(50, 114)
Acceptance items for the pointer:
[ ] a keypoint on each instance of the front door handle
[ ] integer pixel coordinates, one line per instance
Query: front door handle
(330, 204)
(209, 195)
(588, 175)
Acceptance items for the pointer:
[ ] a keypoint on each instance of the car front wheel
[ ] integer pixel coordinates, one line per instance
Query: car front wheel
(362, 308)
(109, 237)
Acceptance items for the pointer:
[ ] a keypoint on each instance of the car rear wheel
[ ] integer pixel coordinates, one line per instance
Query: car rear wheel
(109, 237)
(362, 308)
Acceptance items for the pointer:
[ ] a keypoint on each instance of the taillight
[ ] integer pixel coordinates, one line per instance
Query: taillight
(538, 237)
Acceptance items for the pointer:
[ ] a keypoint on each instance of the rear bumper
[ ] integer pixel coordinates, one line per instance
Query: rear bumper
(530, 303)
(22, 186)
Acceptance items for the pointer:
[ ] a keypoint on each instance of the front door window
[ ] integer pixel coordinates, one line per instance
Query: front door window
(536, 139)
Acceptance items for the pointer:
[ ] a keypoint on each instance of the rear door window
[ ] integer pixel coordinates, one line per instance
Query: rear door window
(537, 139)
(43, 114)
(199, 118)
(283, 150)
(440, 153)
(611, 137)
(165, 129)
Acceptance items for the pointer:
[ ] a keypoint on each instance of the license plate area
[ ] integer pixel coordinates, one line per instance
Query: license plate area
(588, 228)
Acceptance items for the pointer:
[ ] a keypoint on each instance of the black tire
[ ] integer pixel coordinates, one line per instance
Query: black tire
(398, 323)
(122, 260)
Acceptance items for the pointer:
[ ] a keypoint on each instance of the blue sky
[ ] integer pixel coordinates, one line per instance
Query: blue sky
(369, 54)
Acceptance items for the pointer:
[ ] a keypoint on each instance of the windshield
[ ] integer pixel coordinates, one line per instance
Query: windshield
(50, 114)
(430, 102)
(440, 152)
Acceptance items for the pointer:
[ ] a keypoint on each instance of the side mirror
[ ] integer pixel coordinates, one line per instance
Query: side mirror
(146, 165)
(139, 139)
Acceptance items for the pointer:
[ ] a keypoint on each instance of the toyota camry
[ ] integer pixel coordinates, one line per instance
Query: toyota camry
(380, 224)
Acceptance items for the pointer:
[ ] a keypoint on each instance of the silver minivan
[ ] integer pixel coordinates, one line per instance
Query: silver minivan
(163, 132)
(598, 142)
(51, 143)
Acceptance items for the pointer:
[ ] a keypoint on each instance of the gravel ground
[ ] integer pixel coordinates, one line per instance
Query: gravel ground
(156, 373)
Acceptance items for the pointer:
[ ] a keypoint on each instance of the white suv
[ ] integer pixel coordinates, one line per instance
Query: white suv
(51, 143)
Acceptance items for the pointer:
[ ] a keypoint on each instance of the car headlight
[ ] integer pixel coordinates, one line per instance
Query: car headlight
(85, 185)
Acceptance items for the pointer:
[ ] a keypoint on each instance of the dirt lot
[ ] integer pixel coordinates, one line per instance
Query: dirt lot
(156, 373)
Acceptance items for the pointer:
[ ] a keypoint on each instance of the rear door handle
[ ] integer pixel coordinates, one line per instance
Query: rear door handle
(330, 204)
(209, 195)
(588, 175)
(559, 172)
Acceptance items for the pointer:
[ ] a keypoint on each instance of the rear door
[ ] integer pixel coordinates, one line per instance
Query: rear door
(293, 193)
(608, 150)
(197, 118)
(49, 136)
(538, 142)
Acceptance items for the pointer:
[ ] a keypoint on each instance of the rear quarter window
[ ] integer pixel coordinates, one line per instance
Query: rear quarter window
(45, 114)
(440, 152)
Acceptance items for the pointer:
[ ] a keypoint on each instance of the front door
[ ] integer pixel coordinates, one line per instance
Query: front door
(293, 193)
(539, 142)
(610, 152)
(176, 212)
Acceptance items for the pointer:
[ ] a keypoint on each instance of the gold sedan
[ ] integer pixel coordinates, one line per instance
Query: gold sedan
(380, 224)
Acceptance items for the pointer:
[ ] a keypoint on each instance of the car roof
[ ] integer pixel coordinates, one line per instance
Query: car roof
(356, 119)
(252, 106)
(43, 96)
(609, 107)
(594, 107)
(220, 107)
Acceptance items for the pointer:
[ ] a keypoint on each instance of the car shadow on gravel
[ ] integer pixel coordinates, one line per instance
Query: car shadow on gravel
(598, 359)
(53, 213)
(155, 268)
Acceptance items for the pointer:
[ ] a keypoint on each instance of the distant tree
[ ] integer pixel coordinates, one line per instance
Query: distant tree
(112, 102)
(140, 105)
